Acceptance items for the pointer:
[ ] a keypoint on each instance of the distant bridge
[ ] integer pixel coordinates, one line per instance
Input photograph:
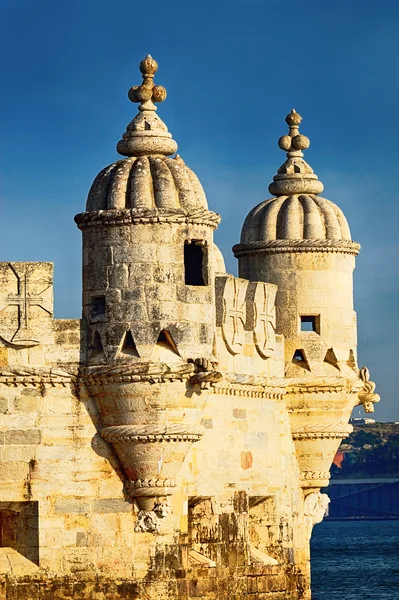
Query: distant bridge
(363, 498)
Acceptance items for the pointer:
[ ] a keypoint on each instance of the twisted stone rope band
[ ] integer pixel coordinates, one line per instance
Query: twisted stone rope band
(141, 488)
(120, 434)
(312, 475)
(275, 246)
(199, 216)
(321, 435)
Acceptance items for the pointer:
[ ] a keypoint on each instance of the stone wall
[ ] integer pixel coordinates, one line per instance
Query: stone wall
(67, 525)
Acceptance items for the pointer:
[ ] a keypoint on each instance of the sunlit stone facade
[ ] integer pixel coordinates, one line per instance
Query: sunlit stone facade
(172, 443)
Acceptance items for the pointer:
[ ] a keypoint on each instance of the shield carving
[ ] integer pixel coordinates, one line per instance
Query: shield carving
(26, 302)
(265, 319)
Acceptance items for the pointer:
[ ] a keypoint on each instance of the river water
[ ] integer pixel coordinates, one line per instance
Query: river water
(355, 560)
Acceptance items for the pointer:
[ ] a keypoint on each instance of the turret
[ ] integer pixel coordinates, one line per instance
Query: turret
(302, 243)
(148, 252)
(148, 300)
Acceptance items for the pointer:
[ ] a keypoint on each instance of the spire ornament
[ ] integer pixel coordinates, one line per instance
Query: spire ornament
(147, 134)
(295, 176)
(147, 93)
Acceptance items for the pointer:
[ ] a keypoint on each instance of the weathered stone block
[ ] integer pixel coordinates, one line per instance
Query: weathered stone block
(71, 506)
(111, 505)
(30, 436)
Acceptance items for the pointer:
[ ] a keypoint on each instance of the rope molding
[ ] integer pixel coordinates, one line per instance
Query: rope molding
(320, 435)
(315, 245)
(141, 488)
(311, 475)
(121, 434)
(104, 218)
(38, 377)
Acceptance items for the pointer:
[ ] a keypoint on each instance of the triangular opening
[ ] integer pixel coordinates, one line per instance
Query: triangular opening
(331, 359)
(96, 346)
(166, 350)
(299, 358)
(165, 340)
(128, 346)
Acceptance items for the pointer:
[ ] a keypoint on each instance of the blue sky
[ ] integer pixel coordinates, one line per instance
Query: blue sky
(233, 69)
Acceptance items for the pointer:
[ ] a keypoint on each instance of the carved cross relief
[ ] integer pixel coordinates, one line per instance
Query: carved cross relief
(265, 319)
(26, 302)
(234, 316)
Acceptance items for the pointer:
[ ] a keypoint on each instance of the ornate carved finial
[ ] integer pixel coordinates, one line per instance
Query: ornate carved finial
(295, 176)
(147, 93)
(147, 134)
(294, 142)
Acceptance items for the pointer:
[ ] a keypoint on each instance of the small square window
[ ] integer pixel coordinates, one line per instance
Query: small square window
(310, 323)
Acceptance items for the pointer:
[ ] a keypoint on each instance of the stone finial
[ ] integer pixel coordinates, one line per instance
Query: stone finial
(294, 142)
(147, 134)
(295, 176)
(147, 93)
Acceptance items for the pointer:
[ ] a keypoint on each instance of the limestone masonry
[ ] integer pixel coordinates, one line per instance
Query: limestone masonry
(171, 444)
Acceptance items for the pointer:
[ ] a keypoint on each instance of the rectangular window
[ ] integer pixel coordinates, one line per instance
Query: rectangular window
(310, 323)
(194, 255)
(97, 306)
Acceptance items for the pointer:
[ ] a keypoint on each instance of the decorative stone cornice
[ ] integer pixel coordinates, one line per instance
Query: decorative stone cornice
(249, 386)
(134, 216)
(247, 391)
(296, 245)
(38, 377)
(137, 372)
(312, 475)
(321, 435)
(150, 487)
(319, 385)
(122, 434)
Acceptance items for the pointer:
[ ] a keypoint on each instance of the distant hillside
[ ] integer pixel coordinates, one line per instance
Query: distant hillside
(370, 451)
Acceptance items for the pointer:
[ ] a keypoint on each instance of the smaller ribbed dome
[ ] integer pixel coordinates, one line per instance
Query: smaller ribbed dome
(147, 182)
(297, 212)
(303, 216)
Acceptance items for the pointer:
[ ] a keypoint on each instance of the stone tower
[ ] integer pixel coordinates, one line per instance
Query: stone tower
(302, 243)
(172, 443)
(148, 252)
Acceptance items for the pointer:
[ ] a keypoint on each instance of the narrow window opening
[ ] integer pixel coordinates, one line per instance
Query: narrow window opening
(194, 254)
(310, 323)
(97, 306)
(147, 125)
(128, 346)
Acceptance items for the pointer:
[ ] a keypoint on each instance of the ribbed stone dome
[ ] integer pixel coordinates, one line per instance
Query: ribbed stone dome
(297, 212)
(149, 178)
(146, 182)
(296, 217)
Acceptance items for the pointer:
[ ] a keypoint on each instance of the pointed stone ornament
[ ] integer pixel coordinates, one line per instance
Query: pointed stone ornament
(147, 134)
(294, 176)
